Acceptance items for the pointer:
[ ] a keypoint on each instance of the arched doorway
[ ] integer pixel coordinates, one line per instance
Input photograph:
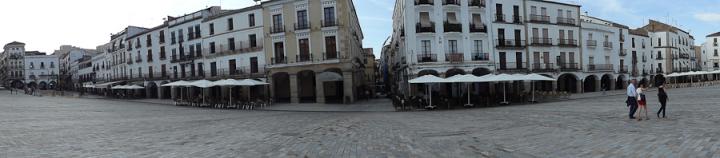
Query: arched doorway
(422, 88)
(306, 86)
(567, 83)
(620, 83)
(659, 80)
(165, 91)
(151, 89)
(281, 87)
(42, 85)
(333, 86)
(52, 85)
(428, 72)
(606, 82)
(32, 85)
(544, 85)
(590, 84)
(454, 90)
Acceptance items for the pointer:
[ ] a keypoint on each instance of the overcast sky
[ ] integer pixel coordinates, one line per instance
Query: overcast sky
(44, 25)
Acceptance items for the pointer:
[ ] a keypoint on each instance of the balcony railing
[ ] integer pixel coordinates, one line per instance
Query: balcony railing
(659, 58)
(539, 18)
(591, 43)
(543, 67)
(566, 21)
(303, 58)
(659, 70)
(623, 69)
(222, 50)
(607, 44)
(569, 67)
(278, 60)
(455, 57)
(450, 27)
(424, 2)
(302, 26)
(510, 43)
(478, 28)
(138, 60)
(541, 42)
(568, 43)
(513, 67)
(480, 56)
(329, 23)
(239, 72)
(517, 19)
(600, 67)
(426, 57)
(451, 2)
(623, 52)
(477, 3)
(277, 29)
(425, 29)
(500, 18)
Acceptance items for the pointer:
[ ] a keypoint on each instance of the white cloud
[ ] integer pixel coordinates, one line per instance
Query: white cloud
(707, 17)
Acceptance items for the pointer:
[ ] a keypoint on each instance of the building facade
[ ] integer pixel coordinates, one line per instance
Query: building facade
(710, 50)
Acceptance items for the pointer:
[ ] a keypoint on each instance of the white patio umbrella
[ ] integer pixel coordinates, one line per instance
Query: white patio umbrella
(536, 77)
(468, 79)
(228, 82)
(202, 84)
(505, 78)
(428, 79)
(180, 83)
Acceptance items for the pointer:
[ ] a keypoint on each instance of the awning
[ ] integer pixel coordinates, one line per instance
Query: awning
(106, 85)
(176, 83)
(428, 79)
(329, 77)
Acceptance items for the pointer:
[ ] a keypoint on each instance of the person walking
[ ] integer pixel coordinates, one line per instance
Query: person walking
(663, 97)
(632, 98)
(642, 103)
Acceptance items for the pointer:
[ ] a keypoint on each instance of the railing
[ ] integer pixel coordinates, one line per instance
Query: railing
(541, 41)
(424, 2)
(450, 27)
(659, 70)
(600, 67)
(422, 29)
(684, 56)
(182, 58)
(623, 52)
(329, 23)
(591, 43)
(475, 28)
(302, 26)
(513, 66)
(510, 43)
(568, 42)
(659, 58)
(149, 59)
(569, 67)
(138, 60)
(129, 62)
(303, 58)
(330, 56)
(426, 57)
(455, 57)
(239, 72)
(277, 29)
(607, 44)
(238, 50)
(543, 67)
(623, 69)
(539, 18)
(477, 3)
(500, 18)
(163, 57)
(280, 60)
(480, 56)
(451, 2)
(517, 19)
(566, 21)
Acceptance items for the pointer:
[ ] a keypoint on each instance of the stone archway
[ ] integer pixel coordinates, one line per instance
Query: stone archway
(428, 72)
(306, 86)
(590, 84)
(165, 92)
(606, 82)
(620, 83)
(281, 87)
(333, 85)
(42, 85)
(151, 90)
(568, 83)
(52, 85)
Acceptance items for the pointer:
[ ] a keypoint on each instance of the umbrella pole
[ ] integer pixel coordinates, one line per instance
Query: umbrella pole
(468, 93)
(532, 90)
(504, 94)
(430, 94)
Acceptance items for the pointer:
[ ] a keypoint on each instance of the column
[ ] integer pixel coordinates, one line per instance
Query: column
(612, 84)
(579, 86)
(294, 89)
(598, 86)
(160, 92)
(348, 87)
(173, 92)
(555, 85)
(319, 90)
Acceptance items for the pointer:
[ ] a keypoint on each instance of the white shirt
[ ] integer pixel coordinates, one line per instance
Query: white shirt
(631, 91)
(639, 92)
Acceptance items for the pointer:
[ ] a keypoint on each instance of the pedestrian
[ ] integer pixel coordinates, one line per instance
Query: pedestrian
(642, 103)
(631, 98)
(663, 97)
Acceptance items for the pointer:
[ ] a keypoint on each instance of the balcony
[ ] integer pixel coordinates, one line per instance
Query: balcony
(304, 58)
(178, 59)
(238, 72)
(426, 57)
(591, 43)
(510, 44)
(659, 58)
(424, 2)
(163, 57)
(224, 50)
(517, 19)
(455, 57)
(518, 67)
(451, 2)
(608, 45)
(280, 60)
(684, 56)
(480, 57)
(566, 21)
(329, 23)
(425, 29)
(600, 67)
(129, 62)
(569, 67)
(450, 27)
(500, 18)
(541, 42)
(302, 26)
(543, 67)
(477, 3)
(567, 43)
(539, 19)
(478, 28)
(644, 59)
(277, 29)
(623, 52)
(138, 60)
(623, 69)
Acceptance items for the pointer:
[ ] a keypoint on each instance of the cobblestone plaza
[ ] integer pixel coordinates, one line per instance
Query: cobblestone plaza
(591, 127)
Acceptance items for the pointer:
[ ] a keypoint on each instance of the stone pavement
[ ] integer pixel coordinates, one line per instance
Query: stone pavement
(587, 127)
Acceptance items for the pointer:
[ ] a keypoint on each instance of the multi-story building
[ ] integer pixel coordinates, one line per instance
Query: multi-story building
(69, 54)
(671, 47)
(710, 50)
(41, 70)
(370, 70)
(11, 64)
(314, 50)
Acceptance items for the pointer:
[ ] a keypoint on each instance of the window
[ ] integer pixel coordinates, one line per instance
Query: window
(172, 38)
(212, 28)
(302, 19)
(304, 46)
(149, 55)
(659, 42)
(191, 33)
(230, 24)
(192, 50)
(279, 53)
(137, 41)
(477, 46)
(331, 47)
(163, 72)
(716, 52)
(329, 15)
(175, 72)
(213, 69)
(212, 47)
(253, 40)
(198, 49)
(200, 69)
(277, 21)
(251, 20)
(198, 33)
(254, 65)
(426, 47)
(180, 35)
(231, 43)
(452, 46)
(162, 52)
(162, 37)
(633, 42)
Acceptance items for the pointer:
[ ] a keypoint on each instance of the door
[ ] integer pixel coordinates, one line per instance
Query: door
(518, 60)
(501, 37)
(517, 38)
(571, 57)
(546, 59)
(516, 14)
(536, 60)
(499, 13)
(232, 67)
(279, 52)
(503, 61)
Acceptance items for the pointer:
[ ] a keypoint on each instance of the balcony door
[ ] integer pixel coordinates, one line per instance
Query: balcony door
(503, 60)
(518, 60)
(518, 38)
(536, 60)
(516, 14)
(232, 67)
(279, 52)
(331, 47)
(546, 59)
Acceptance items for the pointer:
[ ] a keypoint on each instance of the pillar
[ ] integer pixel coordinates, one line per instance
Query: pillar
(348, 87)
(612, 84)
(598, 85)
(173, 92)
(159, 92)
(294, 89)
(579, 86)
(319, 90)
(555, 85)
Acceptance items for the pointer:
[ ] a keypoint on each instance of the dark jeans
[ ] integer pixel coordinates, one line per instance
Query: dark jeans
(662, 108)
(632, 102)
